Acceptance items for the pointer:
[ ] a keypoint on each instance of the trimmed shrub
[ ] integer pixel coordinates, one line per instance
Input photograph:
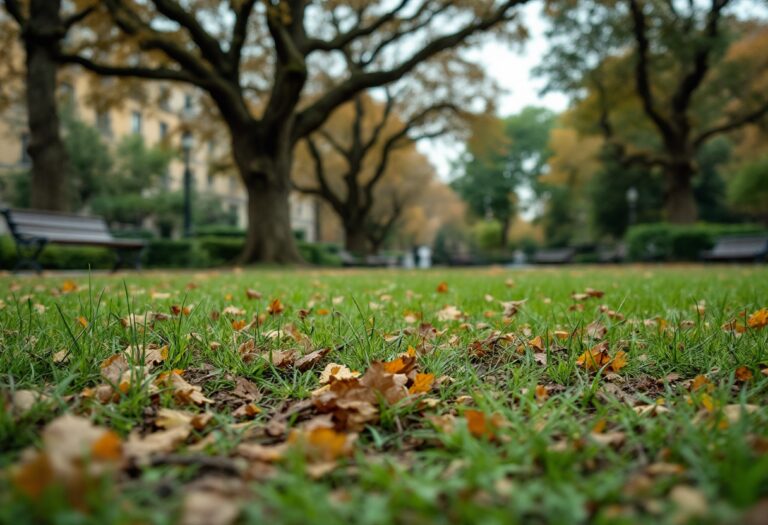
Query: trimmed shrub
(56, 257)
(320, 254)
(165, 253)
(220, 251)
(220, 231)
(679, 242)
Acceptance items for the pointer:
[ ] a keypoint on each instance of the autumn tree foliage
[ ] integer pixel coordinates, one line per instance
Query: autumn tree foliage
(690, 81)
(42, 26)
(262, 63)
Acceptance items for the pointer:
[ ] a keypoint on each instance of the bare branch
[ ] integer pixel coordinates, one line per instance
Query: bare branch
(642, 81)
(733, 124)
(313, 116)
(14, 9)
(78, 17)
(130, 71)
(208, 45)
(344, 39)
(239, 34)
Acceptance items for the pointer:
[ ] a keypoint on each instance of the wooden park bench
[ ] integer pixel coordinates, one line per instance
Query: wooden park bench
(33, 230)
(612, 254)
(739, 248)
(554, 256)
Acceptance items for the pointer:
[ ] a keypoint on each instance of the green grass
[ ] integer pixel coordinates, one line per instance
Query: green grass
(541, 466)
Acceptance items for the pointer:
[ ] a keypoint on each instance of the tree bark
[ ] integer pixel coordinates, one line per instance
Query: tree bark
(680, 203)
(266, 177)
(42, 36)
(355, 239)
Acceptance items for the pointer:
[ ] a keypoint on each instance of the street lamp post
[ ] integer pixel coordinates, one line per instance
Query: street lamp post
(186, 148)
(632, 196)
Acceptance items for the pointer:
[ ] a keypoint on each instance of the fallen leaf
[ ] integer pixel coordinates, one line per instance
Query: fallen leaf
(442, 288)
(758, 319)
(422, 383)
(275, 307)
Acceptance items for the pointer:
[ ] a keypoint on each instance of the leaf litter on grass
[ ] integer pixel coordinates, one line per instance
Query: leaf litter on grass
(328, 425)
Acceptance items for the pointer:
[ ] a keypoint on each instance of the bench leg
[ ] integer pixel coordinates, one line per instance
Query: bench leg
(120, 259)
(28, 258)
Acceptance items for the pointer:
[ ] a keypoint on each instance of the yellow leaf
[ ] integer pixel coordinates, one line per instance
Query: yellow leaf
(422, 383)
(83, 321)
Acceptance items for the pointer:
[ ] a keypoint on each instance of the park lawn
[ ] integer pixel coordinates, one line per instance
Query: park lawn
(643, 405)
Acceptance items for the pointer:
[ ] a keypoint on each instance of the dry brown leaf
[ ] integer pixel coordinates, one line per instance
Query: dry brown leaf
(141, 448)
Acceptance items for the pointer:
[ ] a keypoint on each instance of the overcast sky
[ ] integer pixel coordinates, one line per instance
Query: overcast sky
(512, 69)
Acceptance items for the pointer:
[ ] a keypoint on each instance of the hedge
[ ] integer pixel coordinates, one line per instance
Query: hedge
(162, 253)
(679, 242)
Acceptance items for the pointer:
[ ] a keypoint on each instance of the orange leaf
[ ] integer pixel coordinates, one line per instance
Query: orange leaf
(108, 447)
(698, 382)
(758, 319)
(442, 287)
(537, 343)
(68, 286)
(619, 361)
(476, 423)
(541, 392)
(83, 321)
(238, 324)
(275, 307)
(743, 374)
(323, 311)
(394, 367)
(422, 383)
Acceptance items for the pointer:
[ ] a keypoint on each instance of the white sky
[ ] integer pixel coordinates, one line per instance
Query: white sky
(512, 69)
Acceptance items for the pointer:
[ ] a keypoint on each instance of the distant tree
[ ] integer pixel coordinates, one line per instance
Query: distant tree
(90, 161)
(694, 73)
(503, 156)
(42, 28)
(352, 156)
(277, 70)
(748, 191)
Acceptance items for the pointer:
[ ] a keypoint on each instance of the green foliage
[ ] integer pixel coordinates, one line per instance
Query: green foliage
(749, 188)
(220, 251)
(487, 235)
(677, 242)
(608, 197)
(220, 231)
(320, 254)
(165, 253)
(492, 174)
(138, 166)
(90, 161)
(56, 257)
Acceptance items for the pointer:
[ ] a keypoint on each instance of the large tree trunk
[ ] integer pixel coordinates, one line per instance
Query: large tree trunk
(355, 239)
(42, 37)
(266, 176)
(680, 202)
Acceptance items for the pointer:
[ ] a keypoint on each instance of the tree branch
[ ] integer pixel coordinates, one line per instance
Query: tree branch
(131, 71)
(239, 34)
(14, 9)
(313, 116)
(77, 17)
(208, 45)
(733, 124)
(324, 190)
(344, 39)
(642, 81)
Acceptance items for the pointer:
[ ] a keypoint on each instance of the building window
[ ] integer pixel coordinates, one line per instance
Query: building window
(188, 103)
(25, 158)
(136, 122)
(164, 100)
(210, 179)
(104, 123)
(232, 184)
(163, 130)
